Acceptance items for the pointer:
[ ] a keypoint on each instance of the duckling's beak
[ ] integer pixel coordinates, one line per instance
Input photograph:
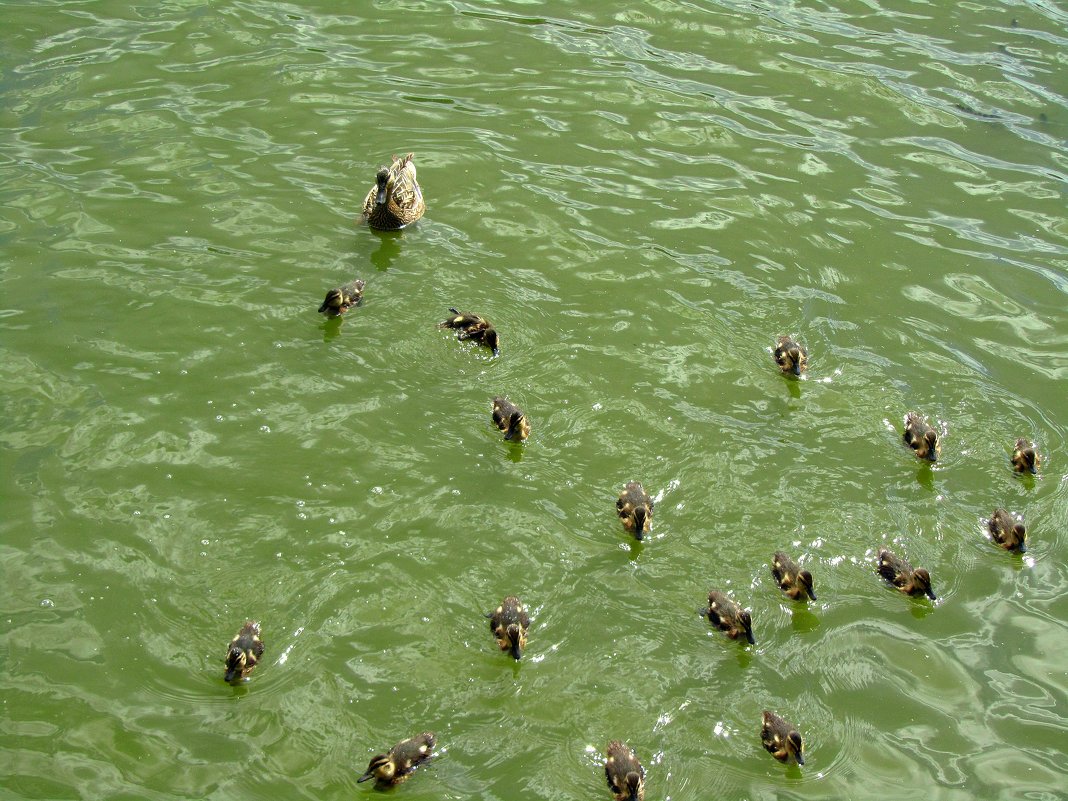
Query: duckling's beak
(810, 592)
(932, 455)
(380, 198)
(797, 367)
(231, 674)
(639, 523)
(931, 595)
(800, 758)
(748, 623)
(365, 777)
(517, 652)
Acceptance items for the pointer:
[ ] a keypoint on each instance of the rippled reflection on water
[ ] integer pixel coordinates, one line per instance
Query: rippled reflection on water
(641, 200)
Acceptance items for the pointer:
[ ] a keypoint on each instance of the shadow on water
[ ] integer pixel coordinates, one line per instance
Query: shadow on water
(514, 451)
(925, 477)
(331, 328)
(922, 607)
(388, 249)
(803, 620)
(793, 386)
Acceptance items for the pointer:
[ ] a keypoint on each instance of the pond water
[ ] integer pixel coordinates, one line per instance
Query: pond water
(641, 201)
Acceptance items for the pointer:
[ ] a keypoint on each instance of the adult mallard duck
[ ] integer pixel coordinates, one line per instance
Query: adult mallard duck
(244, 652)
(1007, 531)
(781, 739)
(510, 419)
(729, 616)
(477, 329)
(625, 774)
(791, 357)
(921, 437)
(911, 581)
(635, 509)
(403, 758)
(1024, 457)
(396, 199)
(509, 623)
(340, 299)
(794, 581)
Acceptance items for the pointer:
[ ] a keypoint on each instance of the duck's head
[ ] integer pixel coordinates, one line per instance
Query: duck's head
(794, 746)
(515, 641)
(1019, 531)
(493, 341)
(333, 302)
(930, 439)
(632, 783)
(380, 767)
(382, 179)
(921, 579)
(641, 517)
(747, 623)
(236, 661)
(794, 355)
(805, 579)
(515, 426)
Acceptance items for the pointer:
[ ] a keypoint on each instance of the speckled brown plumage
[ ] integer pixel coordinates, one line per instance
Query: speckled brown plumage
(781, 739)
(635, 509)
(396, 199)
(795, 582)
(509, 623)
(398, 763)
(244, 652)
(625, 774)
(922, 437)
(729, 616)
(902, 575)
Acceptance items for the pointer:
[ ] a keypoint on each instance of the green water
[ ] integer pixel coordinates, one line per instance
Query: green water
(641, 201)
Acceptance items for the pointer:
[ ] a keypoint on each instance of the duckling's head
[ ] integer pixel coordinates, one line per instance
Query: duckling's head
(921, 579)
(493, 341)
(1019, 531)
(747, 622)
(805, 579)
(236, 660)
(515, 426)
(333, 303)
(381, 767)
(794, 746)
(930, 438)
(515, 641)
(794, 355)
(640, 518)
(382, 179)
(632, 784)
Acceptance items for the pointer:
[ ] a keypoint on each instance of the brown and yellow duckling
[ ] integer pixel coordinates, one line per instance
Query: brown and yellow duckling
(244, 652)
(509, 623)
(510, 419)
(729, 616)
(477, 329)
(396, 199)
(625, 774)
(635, 509)
(340, 299)
(401, 760)
(1025, 458)
(795, 582)
(791, 357)
(911, 581)
(1007, 531)
(922, 437)
(782, 739)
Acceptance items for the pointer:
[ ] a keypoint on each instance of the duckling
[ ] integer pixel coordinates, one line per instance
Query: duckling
(794, 581)
(403, 758)
(625, 774)
(510, 419)
(477, 329)
(396, 199)
(1007, 531)
(340, 299)
(791, 357)
(1024, 457)
(729, 616)
(782, 739)
(921, 437)
(244, 652)
(509, 623)
(635, 509)
(902, 575)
